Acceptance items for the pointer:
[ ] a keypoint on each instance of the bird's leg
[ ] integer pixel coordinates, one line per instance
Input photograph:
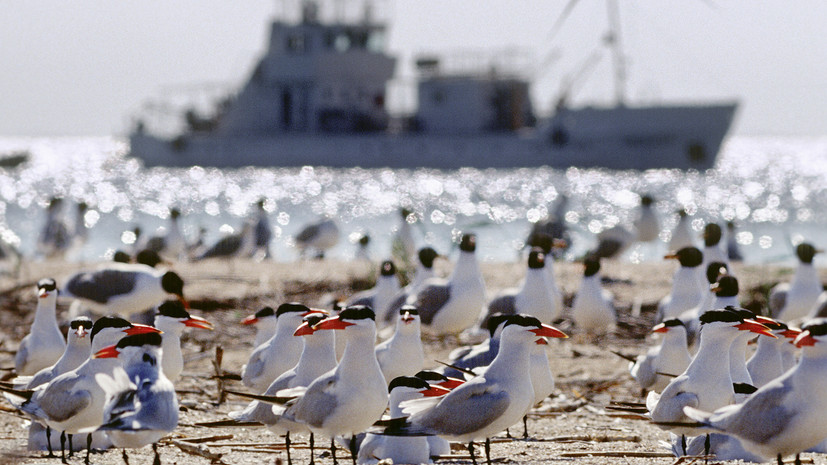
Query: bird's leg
(62, 447)
(333, 450)
(125, 457)
(353, 450)
(287, 447)
(312, 455)
(471, 451)
(525, 426)
(71, 449)
(49, 443)
(683, 443)
(797, 459)
(706, 448)
(780, 460)
(507, 433)
(488, 451)
(157, 460)
(88, 447)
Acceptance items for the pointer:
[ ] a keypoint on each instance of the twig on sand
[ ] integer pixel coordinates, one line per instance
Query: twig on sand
(619, 453)
(198, 449)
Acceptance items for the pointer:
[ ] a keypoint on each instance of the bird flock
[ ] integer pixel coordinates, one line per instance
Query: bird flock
(721, 380)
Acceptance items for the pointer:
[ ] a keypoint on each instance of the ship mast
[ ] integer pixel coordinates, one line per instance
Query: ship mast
(613, 40)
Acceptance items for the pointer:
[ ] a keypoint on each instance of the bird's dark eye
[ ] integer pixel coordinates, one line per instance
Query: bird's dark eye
(149, 359)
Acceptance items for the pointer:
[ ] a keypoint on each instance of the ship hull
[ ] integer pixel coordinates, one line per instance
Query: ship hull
(639, 138)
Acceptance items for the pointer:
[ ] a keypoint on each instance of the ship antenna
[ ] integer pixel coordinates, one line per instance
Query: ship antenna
(613, 40)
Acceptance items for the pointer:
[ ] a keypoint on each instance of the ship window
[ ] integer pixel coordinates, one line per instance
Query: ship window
(376, 42)
(438, 96)
(341, 43)
(296, 43)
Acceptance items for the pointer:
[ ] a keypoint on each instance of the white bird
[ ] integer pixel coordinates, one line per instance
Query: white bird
(548, 245)
(613, 242)
(534, 297)
(422, 273)
(123, 288)
(765, 364)
(592, 309)
(690, 317)
(147, 409)
(44, 345)
(713, 252)
(348, 399)
(77, 351)
(265, 322)
(319, 236)
(682, 235)
(381, 295)
(542, 379)
(786, 416)
(74, 402)
(401, 449)
(262, 231)
(170, 242)
(480, 355)
(687, 291)
(647, 224)
(491, 402)
(55, 237)
(172, 318)
(317, 358)
(653, 369)
(795, 300)
(449, 306)
(706, 383)
(234, 245)
(280, 353)
(402, 354)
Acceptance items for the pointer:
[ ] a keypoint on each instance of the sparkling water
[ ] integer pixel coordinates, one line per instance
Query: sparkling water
(774, 189)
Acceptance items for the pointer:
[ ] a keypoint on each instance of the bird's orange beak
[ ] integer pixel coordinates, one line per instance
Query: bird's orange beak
(541, 341)
(81, 332)
(250, 320)
(198, 322)
(548, 331)
(804, 339)
(303, 330)
(435, 391)
(107, 352)
(755, 327)
(137, 328)
(660, 328)
(451, 383)
(332, 323)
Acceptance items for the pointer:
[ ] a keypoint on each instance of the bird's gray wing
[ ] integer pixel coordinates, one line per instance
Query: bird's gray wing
(430, 299)
(308, 233)
(317, 402)
(778, 299)
(225, 247)
(505, 304)
(766, 406)
(60, 400)
(466, 409)
(99, 286)
(395, 305)
(22, 355)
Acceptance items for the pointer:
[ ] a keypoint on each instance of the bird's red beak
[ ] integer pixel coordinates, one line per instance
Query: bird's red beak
(541, 342)
(660, 328)
(671, 256)
(805, 339)
(137, 328)
(450, 383)
(548, 331)
(81, 332)
(332, 323)
(755, 327)
(303, 330)
(791, 333)
(198, 322)
(407, 317)
(107, 352)
(435, 391)
(250, 320)
(42, 293)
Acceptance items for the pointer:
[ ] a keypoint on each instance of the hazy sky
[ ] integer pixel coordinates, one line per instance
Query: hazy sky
(84, 67)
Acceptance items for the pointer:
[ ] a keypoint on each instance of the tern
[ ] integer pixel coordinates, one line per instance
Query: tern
(671, 357)
(380, 296)
(713, 252)
(592, 308)
(44, 344)
(534, 297)
(147, 409)
(402, 354)
(453, 305)
(280, 353)
(171, 319)
(265, 322)
(785, 416)
(423, 272)
(348, 399)
(318, 236)
(795, 300)
(124, 289)
(682, 235)
(488, 403)
(687, 291)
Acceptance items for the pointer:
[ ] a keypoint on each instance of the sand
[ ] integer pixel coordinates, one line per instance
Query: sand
(571, 426)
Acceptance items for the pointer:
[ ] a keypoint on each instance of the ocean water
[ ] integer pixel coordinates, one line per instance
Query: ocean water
(774, 189)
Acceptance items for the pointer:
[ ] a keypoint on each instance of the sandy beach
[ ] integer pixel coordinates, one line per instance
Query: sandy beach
(571, 426)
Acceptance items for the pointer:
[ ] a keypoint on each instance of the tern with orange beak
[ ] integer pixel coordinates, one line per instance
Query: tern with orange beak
(172, 318)
(44, 344)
